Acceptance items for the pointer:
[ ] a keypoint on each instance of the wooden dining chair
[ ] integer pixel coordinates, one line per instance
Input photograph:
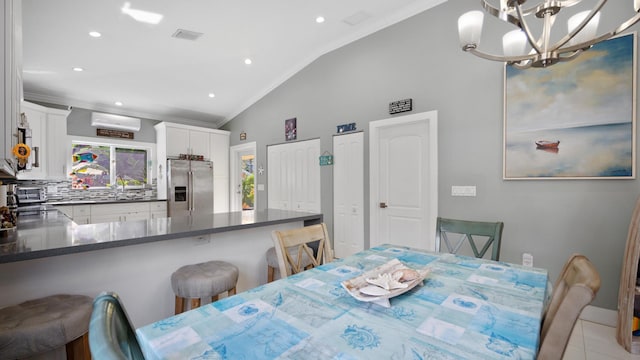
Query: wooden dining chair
(491, 231)
(293, 250)
(111, 335)
(575, 288)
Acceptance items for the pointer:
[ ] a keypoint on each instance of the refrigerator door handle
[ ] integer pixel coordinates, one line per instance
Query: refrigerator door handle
(190, 191)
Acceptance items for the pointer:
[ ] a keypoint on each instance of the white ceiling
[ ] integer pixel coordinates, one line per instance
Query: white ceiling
(160, 77)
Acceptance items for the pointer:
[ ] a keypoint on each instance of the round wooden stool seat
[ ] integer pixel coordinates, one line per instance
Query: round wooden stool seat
(208, 279)
(41, 325)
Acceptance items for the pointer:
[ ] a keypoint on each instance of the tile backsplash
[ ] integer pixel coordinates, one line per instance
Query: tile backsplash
(60, 190)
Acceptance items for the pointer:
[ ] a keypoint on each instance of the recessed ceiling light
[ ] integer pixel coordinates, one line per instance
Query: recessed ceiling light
(248, 61)
(118, 103)
(94, 34)
(141, 15)
(212, 95)
(78, 69)
(320, 19)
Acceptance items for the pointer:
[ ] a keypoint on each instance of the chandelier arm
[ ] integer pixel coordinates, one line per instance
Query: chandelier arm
(491, 10)
(579, 28)
(584, 45)
(525, 27)
(509, 59)
(574, 55)
(521, 66)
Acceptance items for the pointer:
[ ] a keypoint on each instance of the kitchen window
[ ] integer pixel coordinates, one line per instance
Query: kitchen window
(96, 165)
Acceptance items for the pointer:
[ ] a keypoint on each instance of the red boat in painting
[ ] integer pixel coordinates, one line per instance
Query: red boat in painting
(544, 144)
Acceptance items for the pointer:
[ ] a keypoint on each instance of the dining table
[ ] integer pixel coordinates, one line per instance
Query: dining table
(460, 308)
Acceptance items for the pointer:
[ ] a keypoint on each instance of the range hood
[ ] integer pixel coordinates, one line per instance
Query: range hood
(7, 170)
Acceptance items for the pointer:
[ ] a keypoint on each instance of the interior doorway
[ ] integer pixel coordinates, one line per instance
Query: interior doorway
(243, 167)
(403, 180)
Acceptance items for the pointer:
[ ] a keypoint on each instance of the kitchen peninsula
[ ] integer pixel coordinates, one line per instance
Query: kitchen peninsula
(50, 254)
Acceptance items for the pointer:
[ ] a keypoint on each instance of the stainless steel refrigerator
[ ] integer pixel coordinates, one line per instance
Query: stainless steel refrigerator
(190, 187)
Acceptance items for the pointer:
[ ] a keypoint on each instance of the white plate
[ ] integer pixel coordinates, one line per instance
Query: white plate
(354, 286)
(374, 290)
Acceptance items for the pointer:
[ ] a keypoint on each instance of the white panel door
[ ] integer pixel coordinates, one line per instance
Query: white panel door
(294, 176)
(348, 194)
(278, 194)
(403, 171)
(306, 176)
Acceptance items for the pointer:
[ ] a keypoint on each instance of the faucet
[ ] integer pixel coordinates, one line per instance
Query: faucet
(115, 186)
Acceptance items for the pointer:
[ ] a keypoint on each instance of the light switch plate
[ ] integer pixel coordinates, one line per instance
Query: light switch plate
(260, 187)
(463, 190)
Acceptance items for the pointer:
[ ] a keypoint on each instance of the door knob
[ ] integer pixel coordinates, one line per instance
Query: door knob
(383, 205)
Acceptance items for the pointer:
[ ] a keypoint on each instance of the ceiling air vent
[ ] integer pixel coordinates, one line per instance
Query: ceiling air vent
(111, 121)
(357, 18)
(186, 34)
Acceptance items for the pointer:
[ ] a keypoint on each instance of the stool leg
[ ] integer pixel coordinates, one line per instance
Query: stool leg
(179, 305)
(195, 303)
(78, 349)
(270, 272)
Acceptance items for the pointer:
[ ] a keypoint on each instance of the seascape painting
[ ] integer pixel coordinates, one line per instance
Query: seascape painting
(573, 120)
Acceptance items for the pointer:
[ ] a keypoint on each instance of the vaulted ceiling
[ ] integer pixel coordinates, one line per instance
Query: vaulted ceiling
(159, 76)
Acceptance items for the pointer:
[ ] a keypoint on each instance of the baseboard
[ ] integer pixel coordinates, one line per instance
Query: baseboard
(599, 315)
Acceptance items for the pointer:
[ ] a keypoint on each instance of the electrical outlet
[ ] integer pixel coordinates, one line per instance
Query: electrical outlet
(201, 240)
(463, 190)
(527, 259)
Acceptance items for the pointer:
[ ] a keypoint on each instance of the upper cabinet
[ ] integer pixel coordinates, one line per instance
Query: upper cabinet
(49, 146)
(188, 141)
(174, 140)
(11, 91)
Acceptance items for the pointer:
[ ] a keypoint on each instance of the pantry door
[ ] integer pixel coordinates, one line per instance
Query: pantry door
(348, 194)
(404, 180)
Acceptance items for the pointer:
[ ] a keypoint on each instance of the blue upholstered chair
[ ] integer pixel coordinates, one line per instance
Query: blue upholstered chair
(111, 335)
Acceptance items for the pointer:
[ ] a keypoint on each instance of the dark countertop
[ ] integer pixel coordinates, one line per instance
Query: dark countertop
(51, 233)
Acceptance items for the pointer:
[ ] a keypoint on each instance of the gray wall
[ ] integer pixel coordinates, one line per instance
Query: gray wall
(420, 59)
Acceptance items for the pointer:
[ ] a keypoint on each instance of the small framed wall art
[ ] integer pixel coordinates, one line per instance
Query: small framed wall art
(290, 129)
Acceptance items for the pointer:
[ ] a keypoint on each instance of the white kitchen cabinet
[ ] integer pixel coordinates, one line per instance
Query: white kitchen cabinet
(220, 157)
(158, 210)
(65, 209)
(58, 145)
(11, 73)
(187, 141)
(101, 213)
(49, 147)
(114, 212)
(82, 214)
(37, 120)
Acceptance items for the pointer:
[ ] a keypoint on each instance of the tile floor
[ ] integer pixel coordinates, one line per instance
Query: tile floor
(591, 341)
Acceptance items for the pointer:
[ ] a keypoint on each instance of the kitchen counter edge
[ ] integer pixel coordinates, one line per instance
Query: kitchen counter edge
(264, 218)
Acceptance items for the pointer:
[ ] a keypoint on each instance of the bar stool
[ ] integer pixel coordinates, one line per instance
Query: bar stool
(208, 279)
(42, 325)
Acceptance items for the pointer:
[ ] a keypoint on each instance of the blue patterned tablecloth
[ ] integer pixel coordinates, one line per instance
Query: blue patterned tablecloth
(467, 309)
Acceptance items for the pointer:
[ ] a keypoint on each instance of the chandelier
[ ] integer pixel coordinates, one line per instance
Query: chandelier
(581, 31)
